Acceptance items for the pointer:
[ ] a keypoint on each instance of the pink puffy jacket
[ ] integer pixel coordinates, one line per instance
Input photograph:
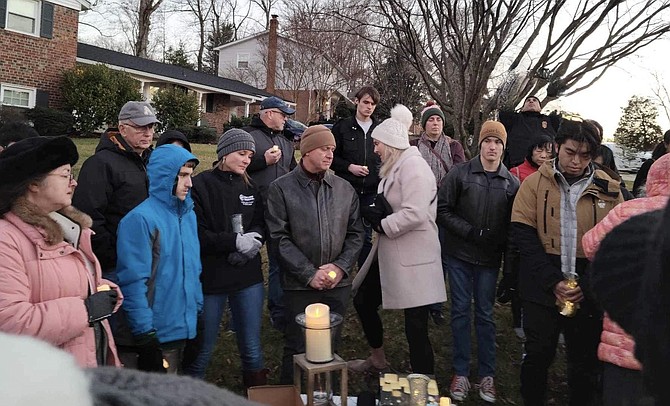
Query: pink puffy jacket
(44, 281)
(616, 346)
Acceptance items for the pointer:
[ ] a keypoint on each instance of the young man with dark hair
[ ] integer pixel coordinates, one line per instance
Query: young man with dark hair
(354, 159)
(555, 206)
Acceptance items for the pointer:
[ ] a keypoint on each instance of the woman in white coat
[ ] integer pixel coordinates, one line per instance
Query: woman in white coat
(404, 268)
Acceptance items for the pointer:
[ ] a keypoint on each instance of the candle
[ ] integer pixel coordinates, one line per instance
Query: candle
(317, 333)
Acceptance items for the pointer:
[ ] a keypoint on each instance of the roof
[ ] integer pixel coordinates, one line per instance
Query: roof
(241, 40)
(133, 64)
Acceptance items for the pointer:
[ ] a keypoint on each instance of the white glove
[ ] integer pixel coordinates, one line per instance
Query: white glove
(248, 244)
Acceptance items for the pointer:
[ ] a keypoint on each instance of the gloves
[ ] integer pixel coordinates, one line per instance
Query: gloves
(248, 244)
(150, 356)
(481, 236)
(374, 215)
(100, 305)
(506, 290)
(237, 259)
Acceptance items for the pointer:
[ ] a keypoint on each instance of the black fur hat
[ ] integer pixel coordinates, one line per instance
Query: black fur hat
(35, 156)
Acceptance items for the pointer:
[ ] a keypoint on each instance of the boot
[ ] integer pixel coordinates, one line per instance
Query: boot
(374, 364)
(255, 378)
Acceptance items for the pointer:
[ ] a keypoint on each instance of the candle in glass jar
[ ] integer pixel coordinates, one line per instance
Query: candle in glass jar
(317, 333)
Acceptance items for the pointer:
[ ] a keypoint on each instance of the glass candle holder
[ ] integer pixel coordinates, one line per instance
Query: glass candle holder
(418, 389)
(319, 340)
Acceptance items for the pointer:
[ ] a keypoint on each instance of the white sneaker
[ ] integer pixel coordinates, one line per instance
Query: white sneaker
(460, 386)
(487, 389)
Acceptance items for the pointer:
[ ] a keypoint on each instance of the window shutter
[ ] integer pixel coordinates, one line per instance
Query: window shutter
(42, 98)
(209, 103)
(47, 22)
(3, 12)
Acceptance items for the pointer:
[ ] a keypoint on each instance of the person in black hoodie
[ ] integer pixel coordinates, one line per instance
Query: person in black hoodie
(174, 137)
(231, 228)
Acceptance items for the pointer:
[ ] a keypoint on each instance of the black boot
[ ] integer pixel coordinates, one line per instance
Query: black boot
(255, 378)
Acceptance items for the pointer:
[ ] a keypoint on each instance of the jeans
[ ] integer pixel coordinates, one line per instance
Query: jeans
(468, 281)
(246, 306)
(275, 291)
(366, 199)
(437, 307)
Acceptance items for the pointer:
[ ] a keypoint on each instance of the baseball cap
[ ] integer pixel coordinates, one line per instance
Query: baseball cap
(274, 102)
(140, 113)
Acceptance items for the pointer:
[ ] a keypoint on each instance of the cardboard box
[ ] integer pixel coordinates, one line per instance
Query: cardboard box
(275, 395)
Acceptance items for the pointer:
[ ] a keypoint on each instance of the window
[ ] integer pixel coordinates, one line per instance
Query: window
(242, 61)
(17, 96)
(23, 16)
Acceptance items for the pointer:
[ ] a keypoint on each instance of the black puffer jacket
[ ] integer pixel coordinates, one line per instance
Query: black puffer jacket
(469, 200)
(355, 147)
(217, 196)
(521, 128)
(110, 184)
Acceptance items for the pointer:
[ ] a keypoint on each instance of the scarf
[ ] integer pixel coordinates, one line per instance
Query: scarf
(439, 158)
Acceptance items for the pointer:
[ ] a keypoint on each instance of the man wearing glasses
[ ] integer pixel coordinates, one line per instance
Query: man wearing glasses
(274, 158)
(111, 183)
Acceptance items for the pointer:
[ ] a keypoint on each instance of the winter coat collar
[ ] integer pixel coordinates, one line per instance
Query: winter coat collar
(304, 179)
(600, 183)
(112, 140)
(45, 227)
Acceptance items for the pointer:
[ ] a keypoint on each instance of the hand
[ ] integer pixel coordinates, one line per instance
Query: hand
(150, 356)
(100, 305)
(335, 275)
(272, 156)
(506, 291)
(237, 259)
(358, 170)
(248, 243)
(563, 293)
(374, 216)
(321, 280)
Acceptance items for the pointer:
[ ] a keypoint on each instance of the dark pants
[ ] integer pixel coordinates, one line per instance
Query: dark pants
(295, 302)
(624, 387)
(442, 234)
(542, 325)
(367, 302)
(366, 199)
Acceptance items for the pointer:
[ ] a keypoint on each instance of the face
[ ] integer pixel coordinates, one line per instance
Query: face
(55, 191)
(274, 119)
(531, 104)
(380, 149)
(541, 154)
(491, 149)
(573, 157)
(237, 161)
(434, 126)
(138, 137)
(319, 159)
(365, 106)
(184, 182)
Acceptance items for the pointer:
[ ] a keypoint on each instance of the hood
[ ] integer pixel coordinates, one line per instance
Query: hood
(658, 178)
(112, 140)
(163, 167)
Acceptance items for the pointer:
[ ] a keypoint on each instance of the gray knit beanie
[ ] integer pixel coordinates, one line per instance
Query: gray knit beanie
(233, 140)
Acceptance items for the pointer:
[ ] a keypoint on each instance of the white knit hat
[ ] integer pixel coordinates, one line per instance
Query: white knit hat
(394, 131)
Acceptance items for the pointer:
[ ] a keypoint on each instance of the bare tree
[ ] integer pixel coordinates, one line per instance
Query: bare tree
(266, 7)
(661, 94)
(146, 9)
(201, 10)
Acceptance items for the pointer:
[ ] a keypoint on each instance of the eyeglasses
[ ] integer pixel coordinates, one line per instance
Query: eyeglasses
(141, 128)
(69, 176)
(280, 112)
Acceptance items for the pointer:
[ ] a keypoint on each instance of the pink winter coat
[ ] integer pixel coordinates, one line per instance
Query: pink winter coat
(44, 281)
(616, 346)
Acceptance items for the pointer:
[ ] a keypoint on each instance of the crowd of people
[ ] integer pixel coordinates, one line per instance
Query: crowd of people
(134, 262)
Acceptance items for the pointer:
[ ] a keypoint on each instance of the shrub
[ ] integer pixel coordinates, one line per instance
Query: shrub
(51, 122)
(236, 122)
(95, 95)
(176, 108)
(199, 134)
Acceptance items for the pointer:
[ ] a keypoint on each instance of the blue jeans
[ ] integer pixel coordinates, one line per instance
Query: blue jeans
(246, 306)
(465, 282)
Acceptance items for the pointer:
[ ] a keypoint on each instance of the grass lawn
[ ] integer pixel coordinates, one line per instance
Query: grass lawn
(225, 367)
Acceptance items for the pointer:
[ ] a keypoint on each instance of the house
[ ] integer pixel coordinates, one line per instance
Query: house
(38, 40)
(288, 68)
(219, 97)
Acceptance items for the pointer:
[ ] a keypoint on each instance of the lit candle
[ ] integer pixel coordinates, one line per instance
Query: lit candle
(317, 333)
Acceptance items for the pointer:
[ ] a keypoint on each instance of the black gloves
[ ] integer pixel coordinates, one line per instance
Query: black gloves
(100, 305)
(150, 356)
(506, 290)
(482, 237)
(374, 215)
(237, 259)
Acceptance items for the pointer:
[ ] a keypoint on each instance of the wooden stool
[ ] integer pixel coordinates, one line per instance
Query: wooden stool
(311, 369)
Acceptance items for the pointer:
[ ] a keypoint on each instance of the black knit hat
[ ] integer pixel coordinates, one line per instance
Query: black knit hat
(173, 135)
(35, 156)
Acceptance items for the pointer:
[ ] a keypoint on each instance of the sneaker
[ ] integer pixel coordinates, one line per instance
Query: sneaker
(438, 317)
(487, 389)
(460, 386)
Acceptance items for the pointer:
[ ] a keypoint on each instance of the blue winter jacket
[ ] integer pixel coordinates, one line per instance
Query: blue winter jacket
(158, 266)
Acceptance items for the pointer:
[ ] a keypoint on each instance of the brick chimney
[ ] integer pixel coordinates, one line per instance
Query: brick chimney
(272, 55)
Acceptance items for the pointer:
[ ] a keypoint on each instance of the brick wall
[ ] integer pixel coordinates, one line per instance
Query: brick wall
(220, 114)
(39, 62)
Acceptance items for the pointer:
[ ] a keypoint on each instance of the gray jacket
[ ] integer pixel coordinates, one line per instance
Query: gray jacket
(313, 224)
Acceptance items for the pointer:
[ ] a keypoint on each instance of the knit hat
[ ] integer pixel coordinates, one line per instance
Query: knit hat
(140, 113)
(168, 137)
(394, 131)
(35, 156)
(431, 109)
(492, 128)
(314, 137)
(233, 140)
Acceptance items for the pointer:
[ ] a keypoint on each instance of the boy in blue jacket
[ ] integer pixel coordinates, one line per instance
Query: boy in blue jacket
(158, 266)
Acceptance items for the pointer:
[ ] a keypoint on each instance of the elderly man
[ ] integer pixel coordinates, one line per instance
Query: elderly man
(111, 183)
(312, 217)
(522, 126)
(274, 158)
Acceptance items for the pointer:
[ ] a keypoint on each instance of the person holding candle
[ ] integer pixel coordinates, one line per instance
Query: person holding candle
(404, 268)
(231, 227)
(312, 216)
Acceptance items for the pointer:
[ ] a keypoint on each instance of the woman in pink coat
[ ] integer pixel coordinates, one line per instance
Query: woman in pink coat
(50, 285)
(617, 347)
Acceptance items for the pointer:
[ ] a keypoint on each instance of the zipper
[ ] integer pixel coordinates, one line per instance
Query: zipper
(365, 157)
(546, 194)
(595, 217)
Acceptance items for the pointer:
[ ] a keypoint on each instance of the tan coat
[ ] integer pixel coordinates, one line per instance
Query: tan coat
(410, 264)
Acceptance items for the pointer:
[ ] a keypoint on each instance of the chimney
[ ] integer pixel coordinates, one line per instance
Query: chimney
(272, 55)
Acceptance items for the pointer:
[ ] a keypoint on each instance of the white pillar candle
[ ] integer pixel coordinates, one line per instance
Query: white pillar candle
(317, 333)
